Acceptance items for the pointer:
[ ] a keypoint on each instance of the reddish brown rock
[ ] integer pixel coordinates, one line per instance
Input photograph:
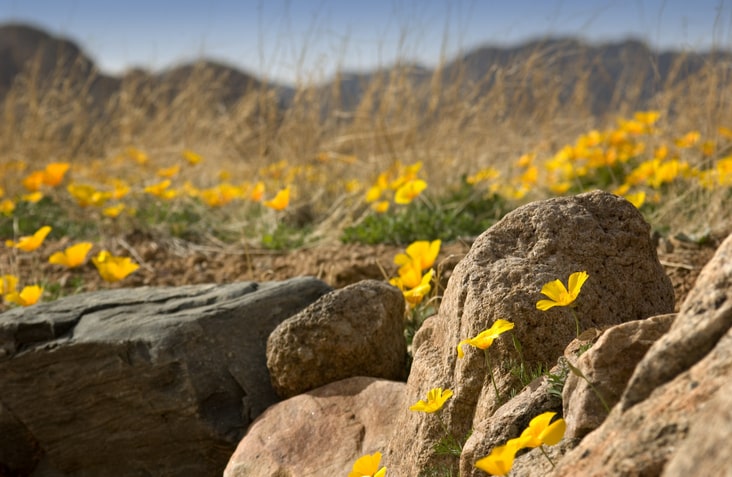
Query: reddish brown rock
(321, 432)
(675, 394)
(607, 367)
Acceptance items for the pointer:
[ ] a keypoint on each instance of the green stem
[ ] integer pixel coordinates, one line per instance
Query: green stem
(576, 322)
(450, 437)
(493, 378)
(580, 374)
(541, 447)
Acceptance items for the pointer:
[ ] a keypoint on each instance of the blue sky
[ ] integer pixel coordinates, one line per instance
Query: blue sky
(309, 40)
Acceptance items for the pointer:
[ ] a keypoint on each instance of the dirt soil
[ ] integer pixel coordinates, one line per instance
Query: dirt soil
(174, 262)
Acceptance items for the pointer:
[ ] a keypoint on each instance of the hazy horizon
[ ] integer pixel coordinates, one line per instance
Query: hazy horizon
(290, 41)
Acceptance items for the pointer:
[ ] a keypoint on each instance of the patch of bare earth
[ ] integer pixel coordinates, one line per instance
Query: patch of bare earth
(173, 263)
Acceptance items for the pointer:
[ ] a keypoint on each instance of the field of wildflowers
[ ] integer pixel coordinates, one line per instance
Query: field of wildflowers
(417, 168)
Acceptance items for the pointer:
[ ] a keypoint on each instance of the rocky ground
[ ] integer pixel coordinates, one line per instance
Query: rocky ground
(174, 262)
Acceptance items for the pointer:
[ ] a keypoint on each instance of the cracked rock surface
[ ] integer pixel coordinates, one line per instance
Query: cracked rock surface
(151, 381)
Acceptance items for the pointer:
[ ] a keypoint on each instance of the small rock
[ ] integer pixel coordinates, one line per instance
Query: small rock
(355, 331)
(608, 365)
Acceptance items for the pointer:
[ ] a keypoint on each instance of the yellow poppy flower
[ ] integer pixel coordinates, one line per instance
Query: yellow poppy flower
(409, 191)
(31, 242)
(485, 338)
(422, 253)
(54, 173)
(500, 460)
(113, 269)
(368, 466)
(72, 256)
(280, 201)
(559, 295)
(192, 157)
(27, 296)
(415, 295)
(542, 431)
(8, 284)
(436, 398)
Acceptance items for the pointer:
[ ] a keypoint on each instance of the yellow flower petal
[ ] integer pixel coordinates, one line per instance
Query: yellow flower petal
(484, 339)
(72, 256)
(500, 460)
(436, 398)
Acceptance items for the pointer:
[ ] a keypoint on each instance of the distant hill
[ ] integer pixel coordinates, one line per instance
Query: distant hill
(25, 48)
(603, 77)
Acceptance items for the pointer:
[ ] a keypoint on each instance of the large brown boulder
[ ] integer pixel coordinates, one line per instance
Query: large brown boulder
(501, 277)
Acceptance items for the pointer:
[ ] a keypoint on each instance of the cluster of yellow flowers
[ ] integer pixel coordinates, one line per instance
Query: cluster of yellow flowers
(412, 281)
(110, 267)
(401, 180)
(111, 196)
(542, 430)
(636, 159)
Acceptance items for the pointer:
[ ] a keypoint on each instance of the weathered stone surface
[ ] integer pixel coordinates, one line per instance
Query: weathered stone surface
(508, 422)
(660, 412)
(706, 449)
(607, 365)
(321, 432)
(705, 316)
(501, 277)
(355, 331)
(144, 381)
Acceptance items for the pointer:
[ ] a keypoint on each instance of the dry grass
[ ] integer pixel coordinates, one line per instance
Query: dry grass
(455, 125)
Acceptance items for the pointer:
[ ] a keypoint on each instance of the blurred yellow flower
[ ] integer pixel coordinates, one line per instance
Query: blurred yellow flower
(161, 190)
(368, 466)
(192, 157)
(33, 197)
(648, 118)
(688, 139)
(422, 253)
(54, 173)
(484, 339)
(636, 198)
(26, 297)
(381, 206)
(416, 294)
(559, 295)
(72, 256)
(169, 172)
(113, 269)
(436, 398)
(8, 284)
(121, 189)
(30, 242)
(33, 181)
(257, 192)
(500, 460)
(86, 195)
(137, 155)
(113, 210)
(409, 191)
(280, 201)
(483, 175)
(7, 206)
(542, 431)
(374, 193)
